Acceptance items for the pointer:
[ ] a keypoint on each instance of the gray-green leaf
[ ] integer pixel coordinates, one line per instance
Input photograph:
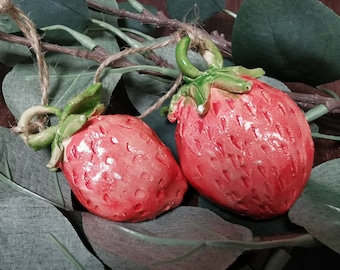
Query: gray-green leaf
(11, 54)
(318, 208)
(73, 14)
(27, 168)
(68, 76)
(291, 40)
(27, 228)
(177, 240)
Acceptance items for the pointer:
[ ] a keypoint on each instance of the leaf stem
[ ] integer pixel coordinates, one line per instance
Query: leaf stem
(136, 5)
(66, 252)
(304, 240)
(7, 180)
(325, 136)
(316, 112)
(137, 33)
(328, 91)
(130, 41)
(230, 13)
(172, 73)
(84, 40)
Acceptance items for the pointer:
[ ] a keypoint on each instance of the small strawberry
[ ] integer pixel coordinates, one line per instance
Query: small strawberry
(245, 145)
(119, 169)
(116, 165)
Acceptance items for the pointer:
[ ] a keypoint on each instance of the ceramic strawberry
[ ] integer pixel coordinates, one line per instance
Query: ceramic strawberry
(242, 144)
(116, 165)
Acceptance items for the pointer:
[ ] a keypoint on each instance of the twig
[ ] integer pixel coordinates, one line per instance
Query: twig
(308, 101)
(146, 17)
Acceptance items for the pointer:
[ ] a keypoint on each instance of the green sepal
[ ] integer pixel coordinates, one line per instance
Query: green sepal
(66, 129)
(227, 79)
(87, 102)
(42, 139)
(240, 70)
(198, 84)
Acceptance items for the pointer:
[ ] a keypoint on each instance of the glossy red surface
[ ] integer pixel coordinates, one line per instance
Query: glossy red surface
(119, 169)
(243, 154)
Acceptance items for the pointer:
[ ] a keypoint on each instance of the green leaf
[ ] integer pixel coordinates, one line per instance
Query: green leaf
(318, 208)
(11, 54)
(7, 25)
(27, 168)
(278, 226)
(193, 10)
(185, 238)
(68, 76)
(73, 14)
(291, 40)
(26, 227)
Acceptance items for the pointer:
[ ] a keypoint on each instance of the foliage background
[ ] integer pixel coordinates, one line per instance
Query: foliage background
(318, 258)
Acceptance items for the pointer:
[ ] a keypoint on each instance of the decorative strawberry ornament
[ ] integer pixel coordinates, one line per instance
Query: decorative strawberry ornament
(242, 144)
(116, 165)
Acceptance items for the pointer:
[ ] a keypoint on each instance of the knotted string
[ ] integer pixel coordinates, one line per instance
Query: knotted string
(29, 30)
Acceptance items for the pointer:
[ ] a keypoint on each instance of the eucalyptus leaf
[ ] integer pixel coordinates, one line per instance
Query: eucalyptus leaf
(181, 239)
(11, 54)
(318, 207)
(7, 25)
(28, 227)
(291, 40)
(73, 14)
(27, 168)
(193, 10)
(68, 76)
(275, 83)
(278, 226)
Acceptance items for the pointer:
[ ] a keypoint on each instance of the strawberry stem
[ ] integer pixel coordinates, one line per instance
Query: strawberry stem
(198, 84)
(182, 59)
(74, 116)
(316, 112)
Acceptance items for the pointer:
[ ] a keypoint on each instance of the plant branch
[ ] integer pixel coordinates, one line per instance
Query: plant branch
(99, 54)
(309, 101)
(160, 20)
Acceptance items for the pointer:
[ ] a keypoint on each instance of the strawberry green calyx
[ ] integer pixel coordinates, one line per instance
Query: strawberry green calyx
(71, 119)
(207, 49)
(87, 102)
(70, 126)
(197, 89)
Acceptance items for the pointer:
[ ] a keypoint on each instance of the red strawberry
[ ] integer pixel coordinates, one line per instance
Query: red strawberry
(120, 170)
(116, 165)
(251, 153)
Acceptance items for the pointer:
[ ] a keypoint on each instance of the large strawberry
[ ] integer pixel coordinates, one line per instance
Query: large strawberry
(116, 165)
(241, 143)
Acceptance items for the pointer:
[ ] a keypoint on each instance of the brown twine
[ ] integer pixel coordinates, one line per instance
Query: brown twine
(111, 59)
(163, 98)
(29, 30)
